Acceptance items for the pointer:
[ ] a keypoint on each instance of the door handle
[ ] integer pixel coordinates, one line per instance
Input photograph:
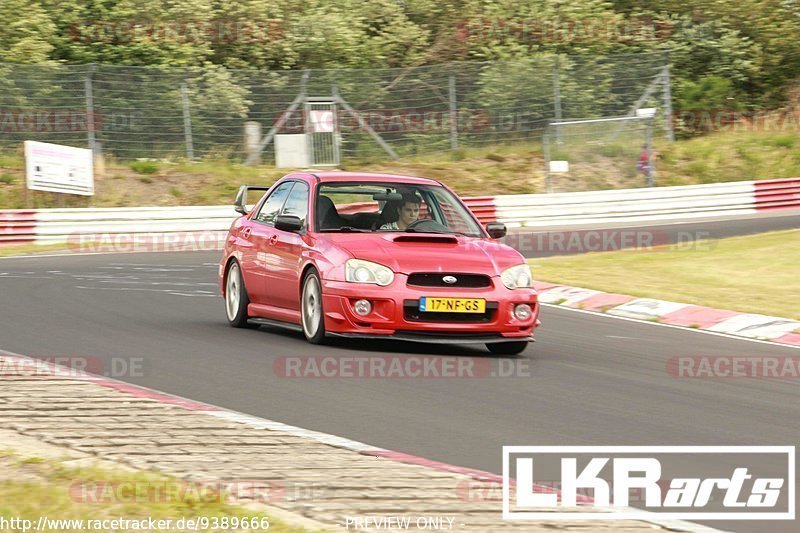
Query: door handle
(273, 239)
(246, 232)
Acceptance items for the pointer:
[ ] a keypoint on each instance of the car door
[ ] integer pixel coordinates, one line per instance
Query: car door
(283, 280)
(260, 231)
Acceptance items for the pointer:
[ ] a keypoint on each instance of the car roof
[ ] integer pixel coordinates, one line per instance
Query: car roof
(332, 177)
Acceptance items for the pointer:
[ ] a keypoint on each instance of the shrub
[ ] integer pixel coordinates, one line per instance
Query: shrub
(783, 141)
(144, 167)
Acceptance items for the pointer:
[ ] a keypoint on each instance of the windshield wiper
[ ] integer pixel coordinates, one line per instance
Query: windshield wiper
(346, 229)
(447, 232)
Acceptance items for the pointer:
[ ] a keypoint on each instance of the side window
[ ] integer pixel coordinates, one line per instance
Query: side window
(271, 208)
(297, 202)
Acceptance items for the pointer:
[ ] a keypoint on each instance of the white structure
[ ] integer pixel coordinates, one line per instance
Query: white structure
(291, 151)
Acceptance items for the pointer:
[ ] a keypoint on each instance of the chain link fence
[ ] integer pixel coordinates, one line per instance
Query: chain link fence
(159, 112)
(598, 154)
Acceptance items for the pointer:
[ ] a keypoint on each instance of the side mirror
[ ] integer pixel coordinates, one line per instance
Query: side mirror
(288, 223)
(240, 204)
(496, 230)
(241, 198)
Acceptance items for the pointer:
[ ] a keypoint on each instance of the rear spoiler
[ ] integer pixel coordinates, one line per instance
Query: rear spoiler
(240, 204)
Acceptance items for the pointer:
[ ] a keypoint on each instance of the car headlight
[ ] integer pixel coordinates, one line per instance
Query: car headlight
(360, 271)
(517, 277)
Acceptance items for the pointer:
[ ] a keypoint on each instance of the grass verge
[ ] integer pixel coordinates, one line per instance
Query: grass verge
(31, 249)
(514, 168)
(32, 488)
(754, 274)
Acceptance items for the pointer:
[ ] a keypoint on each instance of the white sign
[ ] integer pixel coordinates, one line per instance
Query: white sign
(291, 150)
(751, 483)
(646, 112)
(322, 121)
(56, 168)
(559, 166)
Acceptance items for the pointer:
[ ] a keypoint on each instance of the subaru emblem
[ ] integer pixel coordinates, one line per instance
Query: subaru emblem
(449, 279)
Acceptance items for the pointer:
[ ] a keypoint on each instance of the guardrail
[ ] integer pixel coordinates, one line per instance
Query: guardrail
(50, 226)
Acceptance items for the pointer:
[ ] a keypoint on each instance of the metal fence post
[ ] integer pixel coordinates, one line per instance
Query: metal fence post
(548, 177)
(187, 122)
(453, 115)
(557, 96)
(337, 134)
(90, 124)
(665, 78)
(651, 173)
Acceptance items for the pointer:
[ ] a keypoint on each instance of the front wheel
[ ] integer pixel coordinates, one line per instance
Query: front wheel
(311, 309)
(236, 299)
(507, 348)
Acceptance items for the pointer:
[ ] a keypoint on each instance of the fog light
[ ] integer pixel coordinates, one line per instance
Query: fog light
(363, 307)
(522, 311)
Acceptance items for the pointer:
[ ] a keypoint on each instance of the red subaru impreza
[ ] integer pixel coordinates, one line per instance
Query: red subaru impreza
(375, 255)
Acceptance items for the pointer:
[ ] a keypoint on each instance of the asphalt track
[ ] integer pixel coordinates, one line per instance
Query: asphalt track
(588, 380)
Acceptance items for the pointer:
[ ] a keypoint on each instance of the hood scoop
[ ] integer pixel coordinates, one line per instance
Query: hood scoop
(432, 239)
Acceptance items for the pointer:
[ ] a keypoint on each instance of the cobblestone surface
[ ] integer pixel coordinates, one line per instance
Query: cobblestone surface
(319, 481)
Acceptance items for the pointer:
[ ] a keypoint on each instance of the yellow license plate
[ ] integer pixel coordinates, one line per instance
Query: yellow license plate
(452, 305)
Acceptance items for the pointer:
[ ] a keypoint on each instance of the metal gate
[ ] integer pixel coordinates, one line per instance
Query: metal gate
(322, 132)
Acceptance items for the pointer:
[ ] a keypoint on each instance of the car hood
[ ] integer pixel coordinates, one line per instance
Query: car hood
(424, 252)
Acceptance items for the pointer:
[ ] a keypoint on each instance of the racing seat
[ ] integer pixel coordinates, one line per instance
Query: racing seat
(328, 216)
(388, 214)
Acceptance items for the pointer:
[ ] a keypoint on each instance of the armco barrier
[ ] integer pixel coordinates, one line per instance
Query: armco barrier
(17, 227)
(49, 226)
(777, 194)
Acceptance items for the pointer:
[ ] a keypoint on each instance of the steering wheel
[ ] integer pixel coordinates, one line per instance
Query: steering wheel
(428, 225)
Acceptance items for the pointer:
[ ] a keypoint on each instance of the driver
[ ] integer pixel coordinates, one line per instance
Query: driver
(407, 212)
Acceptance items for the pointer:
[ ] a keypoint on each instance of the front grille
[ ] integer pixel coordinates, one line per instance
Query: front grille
(412, 313)
(436, 279)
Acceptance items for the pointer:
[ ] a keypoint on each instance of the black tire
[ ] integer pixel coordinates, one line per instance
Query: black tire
(311, 314)
(507, 348)
(236, 298)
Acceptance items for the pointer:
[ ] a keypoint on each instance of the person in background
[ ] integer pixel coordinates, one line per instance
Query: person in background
(643, 165)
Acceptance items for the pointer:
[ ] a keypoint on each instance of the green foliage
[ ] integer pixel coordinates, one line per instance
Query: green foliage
(7, 178)
(708, 93)
(144, 167)
(26, 32)
(725, 55)
(784, 141)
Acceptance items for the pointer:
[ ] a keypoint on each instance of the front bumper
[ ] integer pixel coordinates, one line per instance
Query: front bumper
(395, 315)
(435, 338)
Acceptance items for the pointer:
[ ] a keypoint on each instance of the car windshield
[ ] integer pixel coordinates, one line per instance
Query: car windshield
(382, 207)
